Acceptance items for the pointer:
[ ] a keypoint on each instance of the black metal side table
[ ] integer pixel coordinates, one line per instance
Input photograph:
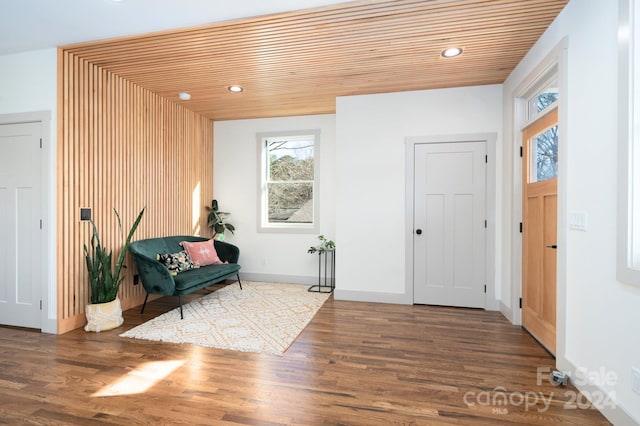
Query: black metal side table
(326, 281)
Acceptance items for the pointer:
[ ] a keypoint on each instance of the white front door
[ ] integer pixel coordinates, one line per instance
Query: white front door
(449, 219)
(22, 243)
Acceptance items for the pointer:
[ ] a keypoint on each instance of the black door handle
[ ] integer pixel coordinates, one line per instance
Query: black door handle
(418, 231)
(552, 246)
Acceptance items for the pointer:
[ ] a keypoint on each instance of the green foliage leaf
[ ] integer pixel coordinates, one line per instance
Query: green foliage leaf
(325, 245)
(104, 282)
(217, 220)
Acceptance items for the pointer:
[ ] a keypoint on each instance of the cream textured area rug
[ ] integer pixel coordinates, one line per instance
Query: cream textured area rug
(262, 317)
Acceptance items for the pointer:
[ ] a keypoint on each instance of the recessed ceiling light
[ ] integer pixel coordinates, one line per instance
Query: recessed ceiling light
(451, 52)
(184, 96)
(235, 89)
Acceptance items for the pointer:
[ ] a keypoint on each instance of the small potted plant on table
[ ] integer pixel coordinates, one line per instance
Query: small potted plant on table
(326, 281)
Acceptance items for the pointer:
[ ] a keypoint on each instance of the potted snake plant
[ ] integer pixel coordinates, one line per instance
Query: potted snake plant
(105, 277)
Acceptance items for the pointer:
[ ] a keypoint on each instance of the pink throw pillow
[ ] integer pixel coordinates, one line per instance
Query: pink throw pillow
(201, 253)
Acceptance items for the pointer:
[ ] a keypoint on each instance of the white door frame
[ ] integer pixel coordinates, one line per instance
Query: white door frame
(490, 266)
(48, 290)
(557, 57)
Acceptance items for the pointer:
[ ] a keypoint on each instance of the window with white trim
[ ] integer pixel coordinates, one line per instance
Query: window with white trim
(289, 169)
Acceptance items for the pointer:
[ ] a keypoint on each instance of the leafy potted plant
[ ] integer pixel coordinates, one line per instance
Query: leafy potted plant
(217, 221)
(105, 312)
(325, 245)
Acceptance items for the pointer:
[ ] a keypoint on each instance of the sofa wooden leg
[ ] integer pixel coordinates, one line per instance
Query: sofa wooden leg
(239, 282)
(145, 303)
(180, 302)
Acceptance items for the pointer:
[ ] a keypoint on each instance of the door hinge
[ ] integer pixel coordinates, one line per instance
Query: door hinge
(40, 223)
(40, 143)
(485, 288)
(41, 305)
(486, 158)
(521, 303)
(485, 223)
(521, 227)
(520, 151)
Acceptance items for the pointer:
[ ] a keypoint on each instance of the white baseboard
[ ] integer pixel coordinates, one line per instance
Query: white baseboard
(49, 326)
(370, 296)
(616, 414)
(379, 297)
(506, 311)
(278, 278)
(355, 296)
(491, 305)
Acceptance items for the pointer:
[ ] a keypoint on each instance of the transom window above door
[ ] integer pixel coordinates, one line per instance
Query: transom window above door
(543, 100)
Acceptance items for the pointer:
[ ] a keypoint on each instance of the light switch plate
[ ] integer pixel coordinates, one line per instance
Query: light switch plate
(578, 221)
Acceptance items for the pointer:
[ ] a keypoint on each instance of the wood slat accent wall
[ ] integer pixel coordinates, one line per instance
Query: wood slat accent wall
(122, 147)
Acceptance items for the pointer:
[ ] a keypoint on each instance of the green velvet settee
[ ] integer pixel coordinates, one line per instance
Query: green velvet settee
(157, 279)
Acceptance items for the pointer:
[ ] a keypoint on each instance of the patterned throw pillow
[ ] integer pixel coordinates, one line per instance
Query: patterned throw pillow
(201, 253)
(176, 262)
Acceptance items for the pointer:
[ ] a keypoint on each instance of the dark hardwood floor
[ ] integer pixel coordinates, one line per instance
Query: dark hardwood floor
(355, 364)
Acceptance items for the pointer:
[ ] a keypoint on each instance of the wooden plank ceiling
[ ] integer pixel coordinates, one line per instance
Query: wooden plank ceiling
(298, 63)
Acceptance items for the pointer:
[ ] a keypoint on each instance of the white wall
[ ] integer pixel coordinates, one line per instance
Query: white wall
(370, 176)
(599, 325)
(28, 83)
(270, 256)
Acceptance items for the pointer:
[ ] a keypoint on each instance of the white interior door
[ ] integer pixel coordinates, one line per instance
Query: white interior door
(449, 219)
(22, 245)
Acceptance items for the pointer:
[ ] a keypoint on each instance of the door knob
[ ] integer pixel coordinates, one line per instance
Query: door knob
(418, 231)
(553, 246)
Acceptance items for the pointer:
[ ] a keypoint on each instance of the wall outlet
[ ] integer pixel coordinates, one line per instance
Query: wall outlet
(635, 379)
